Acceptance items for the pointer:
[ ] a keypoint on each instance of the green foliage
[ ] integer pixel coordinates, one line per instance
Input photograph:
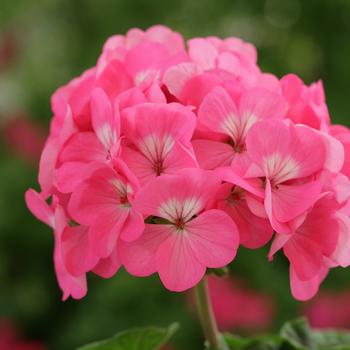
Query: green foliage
(149, 338)
(294, 335)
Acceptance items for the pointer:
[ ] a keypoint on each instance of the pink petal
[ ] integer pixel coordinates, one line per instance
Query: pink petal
(305, 257)
(105, 231)
(161, 120)
(342, 252)
(254, 231)
(292, 87)
(334, 150)
(76, 252)
(305, 290)
(133, 226)
(213, 237)
(83, 147)
(96, 195)
(212, 154)
(218, 113)
(47, 165)
(176, 77)
(196, 88)
(145, 58)
(179, 158)
(105, 121)
(308, 150)
(261, 104)
(138, 164)
(131, 97)
(232, 176)
(155, 94)
(190, 184)
(114, 79)
(256, 205)
(290, 201)
(138, 257)
(261, 145)
(228, 61)
(80, 98)
(69, 284)
(293, 152)
(202, 52)
(39, 208)
(70, 174)
(278, 243)
(109, 266)
(177, 264)
(162, 34)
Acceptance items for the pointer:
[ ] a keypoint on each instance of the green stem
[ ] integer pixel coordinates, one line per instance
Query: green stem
(206, 315)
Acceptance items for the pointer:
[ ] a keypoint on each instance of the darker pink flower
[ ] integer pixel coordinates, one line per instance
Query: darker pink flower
(329, 310)
(235, 306)
(11, 340)
(24, 137)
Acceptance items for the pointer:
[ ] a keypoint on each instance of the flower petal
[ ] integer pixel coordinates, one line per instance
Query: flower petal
(213, 237)
(177, 264)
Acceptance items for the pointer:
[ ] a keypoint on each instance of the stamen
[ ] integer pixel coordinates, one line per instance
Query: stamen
(235, 195)
(180, 223)
(158, 167)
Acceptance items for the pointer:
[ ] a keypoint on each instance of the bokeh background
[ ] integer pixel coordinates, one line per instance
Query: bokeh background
(43, 44)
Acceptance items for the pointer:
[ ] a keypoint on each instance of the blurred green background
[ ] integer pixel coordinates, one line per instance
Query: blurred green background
(43, 44)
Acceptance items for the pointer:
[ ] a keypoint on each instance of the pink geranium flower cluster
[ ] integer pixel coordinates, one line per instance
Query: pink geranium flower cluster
(164, 157)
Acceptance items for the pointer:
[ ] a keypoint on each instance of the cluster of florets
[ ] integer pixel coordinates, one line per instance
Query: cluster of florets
(164, 158)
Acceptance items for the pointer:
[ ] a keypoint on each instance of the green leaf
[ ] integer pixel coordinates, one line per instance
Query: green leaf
(297, 333)
(266, 342)
(331, 340)
(148, 338)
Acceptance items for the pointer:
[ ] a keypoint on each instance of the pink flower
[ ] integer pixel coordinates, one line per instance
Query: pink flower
(227, 119)
(11, 340)
(288, 164)
(157, 139)
(24, 137)
(306, 104)
(145, 54)
(61, 129)
(235, 306)
(320, 241)
(161, 157)
(182, 245)
(104, 202)
(233, 197)
(84, 148)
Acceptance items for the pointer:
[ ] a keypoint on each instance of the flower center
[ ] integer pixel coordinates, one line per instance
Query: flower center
(235, 195)
(158, 167)
(238, 147)
(180, 224)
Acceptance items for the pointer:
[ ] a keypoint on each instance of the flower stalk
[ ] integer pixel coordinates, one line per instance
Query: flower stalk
(207, 317)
